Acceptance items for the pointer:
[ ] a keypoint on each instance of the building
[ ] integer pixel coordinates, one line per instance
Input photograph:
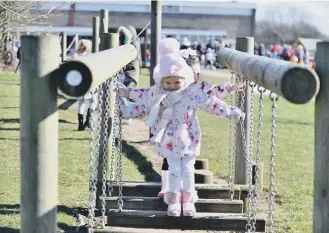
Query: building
(199, 21)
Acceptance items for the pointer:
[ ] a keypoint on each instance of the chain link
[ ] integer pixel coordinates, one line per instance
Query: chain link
(251, 193)
(119, 150)
(245, 151)
(261, 91)
(94, 162)
(273, 98)
(232, 147)
(114, 128)
(105, 96)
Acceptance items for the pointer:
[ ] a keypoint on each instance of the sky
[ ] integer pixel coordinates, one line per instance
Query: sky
(316, 12)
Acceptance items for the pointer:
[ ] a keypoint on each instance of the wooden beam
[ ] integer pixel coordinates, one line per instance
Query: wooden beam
(84, 73)
(297, 84)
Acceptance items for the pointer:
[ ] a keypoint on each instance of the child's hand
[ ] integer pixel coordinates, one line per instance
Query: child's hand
(236, 86)
(123, 92)
(242, 116)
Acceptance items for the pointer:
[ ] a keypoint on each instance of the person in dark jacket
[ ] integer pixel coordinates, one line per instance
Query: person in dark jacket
(128, 35)
(18, 55)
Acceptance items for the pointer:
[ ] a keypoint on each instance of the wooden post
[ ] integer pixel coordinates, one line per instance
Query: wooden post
(104, 21)
(96, 39)
(156, 17)
(76, 43)
(321, 164)
(243, 44)
(113, 41)
(39, 134)
(64, 46)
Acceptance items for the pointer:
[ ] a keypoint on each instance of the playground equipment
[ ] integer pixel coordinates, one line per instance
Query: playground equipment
(115, 203)
(107, 194)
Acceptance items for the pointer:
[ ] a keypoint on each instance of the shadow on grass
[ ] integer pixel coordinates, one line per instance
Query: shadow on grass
(9, 129)
(295, 122)
(144, 166)
(9, 120)
(10, 107)
(74, 139)
(12, 139)
(8, 230)
(9, 209)
(67, 104)
(66, 122)
(10, 84)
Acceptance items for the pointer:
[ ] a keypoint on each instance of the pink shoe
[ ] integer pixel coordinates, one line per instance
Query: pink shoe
(161, 194)
(173, 199)
(189, 198)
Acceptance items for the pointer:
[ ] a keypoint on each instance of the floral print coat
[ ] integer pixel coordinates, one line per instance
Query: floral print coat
(182, 134)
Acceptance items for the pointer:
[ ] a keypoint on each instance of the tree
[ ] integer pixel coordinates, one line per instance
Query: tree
(16, 15)
(285, 26)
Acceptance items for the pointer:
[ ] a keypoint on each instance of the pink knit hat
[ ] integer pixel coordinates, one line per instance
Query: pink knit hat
(172, 63)
(165, 46)
(168, 45)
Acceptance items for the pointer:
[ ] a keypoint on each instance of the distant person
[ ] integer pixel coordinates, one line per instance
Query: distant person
(83, 50)
(185, 43)
(261, 50)
(18, 55)
(286, 52)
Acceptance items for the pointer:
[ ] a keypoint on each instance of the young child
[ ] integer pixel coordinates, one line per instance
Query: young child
(171, 45)
(171, 107)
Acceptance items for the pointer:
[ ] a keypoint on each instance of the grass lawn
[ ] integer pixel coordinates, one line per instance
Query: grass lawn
(294, 159)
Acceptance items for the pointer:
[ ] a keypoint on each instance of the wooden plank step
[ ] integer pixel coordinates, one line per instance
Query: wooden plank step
(155, 203)
(201, 221)
(109, 229)
(203, 176)
(201, 164)
(151, 189)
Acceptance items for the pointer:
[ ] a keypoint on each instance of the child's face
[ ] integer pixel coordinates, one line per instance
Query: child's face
(173, 83)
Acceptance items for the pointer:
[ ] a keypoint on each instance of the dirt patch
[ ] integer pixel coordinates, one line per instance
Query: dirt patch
(6, 69)
(137, 134)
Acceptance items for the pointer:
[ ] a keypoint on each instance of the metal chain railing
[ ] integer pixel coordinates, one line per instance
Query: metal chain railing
(273, 98)
(231, 146)
(104, 133)
(251, 193)
(261, 91)
(94, 155)
(93, 164)
(119, 150)
(114, 131)
(245, 151)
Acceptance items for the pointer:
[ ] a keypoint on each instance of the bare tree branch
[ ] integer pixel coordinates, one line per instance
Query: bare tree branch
(16, 15)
